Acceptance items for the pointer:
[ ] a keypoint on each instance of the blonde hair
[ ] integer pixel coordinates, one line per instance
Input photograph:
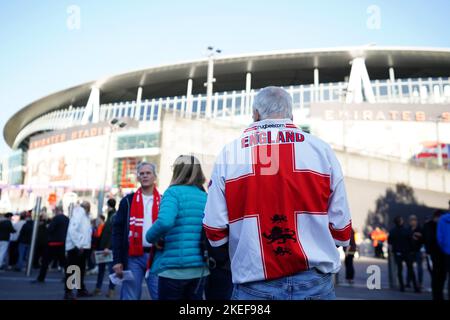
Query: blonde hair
(188, 171)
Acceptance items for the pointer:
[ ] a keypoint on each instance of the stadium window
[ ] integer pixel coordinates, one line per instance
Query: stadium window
(141, 113)
(203, 106)
(326, 94)
(229, 102)
(296, 97)
(238, 103)
(405, 89)
(307, 96)
(141, 144)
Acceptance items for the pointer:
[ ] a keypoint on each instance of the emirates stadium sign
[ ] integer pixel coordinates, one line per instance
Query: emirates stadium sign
(381, 112)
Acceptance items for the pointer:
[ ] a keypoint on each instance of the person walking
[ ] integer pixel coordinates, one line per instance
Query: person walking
(277, 200)
(104, 244)
(41, 240)
(416, 246)
(55, 250)
(437, 265)
(443, 239)
(131, 251)
(400, 240)
(78, 242)
(25, 237)
(14, 240)
(179, 261)
(6, 229)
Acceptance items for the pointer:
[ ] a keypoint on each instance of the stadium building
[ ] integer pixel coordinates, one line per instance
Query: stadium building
(385, 110)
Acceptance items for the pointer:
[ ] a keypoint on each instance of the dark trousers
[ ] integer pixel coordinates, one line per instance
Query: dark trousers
(447, 263)
(349, 268)
(51, 253)
(418, 260)
(101, 274)
(401, 257)
(38, 256)
(174, 289)
(219, 285)
(438, 275)
(379, 250)
(13, 252)
(76, 258)
(90, 259)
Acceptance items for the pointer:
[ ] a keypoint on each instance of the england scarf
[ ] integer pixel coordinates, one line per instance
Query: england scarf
(137, 221)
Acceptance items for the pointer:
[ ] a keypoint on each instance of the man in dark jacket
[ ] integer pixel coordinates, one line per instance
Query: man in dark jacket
(41, 240)
(26, 233)
(438, 273)
(400, 240)
(443, 239)
(57, 231)
(416, 246)
(106, 245)
(6, 228)
(135, 262)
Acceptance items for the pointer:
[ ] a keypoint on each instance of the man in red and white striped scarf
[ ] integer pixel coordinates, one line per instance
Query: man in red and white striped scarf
(131, 251)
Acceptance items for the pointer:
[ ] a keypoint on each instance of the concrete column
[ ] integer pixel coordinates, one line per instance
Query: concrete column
(209, 87)
(189, 97)
(138, 103)
(316, 84)
(248, 88)
(392, 74)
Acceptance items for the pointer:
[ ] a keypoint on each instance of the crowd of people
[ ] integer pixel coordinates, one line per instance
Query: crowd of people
(267, 226)
(413, 244)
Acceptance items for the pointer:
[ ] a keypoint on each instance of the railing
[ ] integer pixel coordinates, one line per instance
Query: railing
(237, 104)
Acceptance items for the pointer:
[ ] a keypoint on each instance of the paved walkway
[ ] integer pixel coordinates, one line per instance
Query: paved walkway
(14, 285)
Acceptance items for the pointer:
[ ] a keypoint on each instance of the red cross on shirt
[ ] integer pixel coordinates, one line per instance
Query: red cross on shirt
(275, 200)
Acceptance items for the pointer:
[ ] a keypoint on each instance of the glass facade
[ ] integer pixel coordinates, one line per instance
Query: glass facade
(140, 141)
(15, 168)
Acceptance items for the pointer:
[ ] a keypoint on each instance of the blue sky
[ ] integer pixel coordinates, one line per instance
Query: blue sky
(39, 54)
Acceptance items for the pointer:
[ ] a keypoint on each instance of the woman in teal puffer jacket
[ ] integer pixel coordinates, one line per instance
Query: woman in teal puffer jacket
(177, 231)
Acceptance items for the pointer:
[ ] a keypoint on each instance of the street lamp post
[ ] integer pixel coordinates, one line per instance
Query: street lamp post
(438, 143)
(210, 80)
(114, 125)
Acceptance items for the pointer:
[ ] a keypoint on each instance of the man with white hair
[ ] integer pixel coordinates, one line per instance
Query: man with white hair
(277, 200)
(131, 251)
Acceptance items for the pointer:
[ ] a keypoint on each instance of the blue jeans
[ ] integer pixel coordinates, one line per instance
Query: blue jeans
(132, 289)
(186, 289)
(418, 259)
(307, 285)
(101, 275)
(24, 250)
